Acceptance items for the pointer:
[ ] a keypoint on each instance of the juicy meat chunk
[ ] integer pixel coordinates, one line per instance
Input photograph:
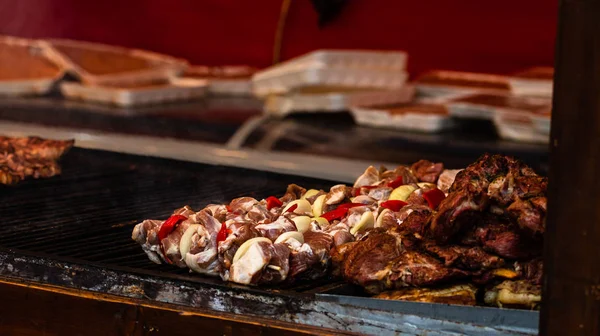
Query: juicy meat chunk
(146, 234)
(263, 263)
(445, 223)
(531, 270)
(463, 257)
(529, 215)
(407, 175)
(369, 177)
(242, 204)
(275, 229)
(240, 233)
(414, 218)
(292, 193)
(427, 171)
(446, 179)
(338, 256)
(312, 259)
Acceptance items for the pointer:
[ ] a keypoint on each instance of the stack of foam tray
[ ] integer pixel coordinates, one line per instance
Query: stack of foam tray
(334, 80)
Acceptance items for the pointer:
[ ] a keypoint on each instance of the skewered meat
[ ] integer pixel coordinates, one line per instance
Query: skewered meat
(262, 262)
(275, 229)
(446, 179)
(311, 260)
(146, 234)
(427, 171)
(530, 270)
(292, 193)
(457, 294)
(400, 171)
(369, 177)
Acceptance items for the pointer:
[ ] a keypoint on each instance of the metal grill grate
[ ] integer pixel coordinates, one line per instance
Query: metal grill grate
(89, 211)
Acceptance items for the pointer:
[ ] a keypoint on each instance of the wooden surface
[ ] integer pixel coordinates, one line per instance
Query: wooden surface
(572, 246)
(29, 309)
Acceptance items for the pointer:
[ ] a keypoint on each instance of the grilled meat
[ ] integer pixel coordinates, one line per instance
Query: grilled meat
(30, 157)
(427, 171)
(457, 294)
(466, 258)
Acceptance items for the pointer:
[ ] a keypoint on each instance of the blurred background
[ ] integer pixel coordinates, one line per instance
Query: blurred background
(470, 77)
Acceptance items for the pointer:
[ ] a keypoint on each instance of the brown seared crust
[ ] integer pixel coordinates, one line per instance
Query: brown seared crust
(427, 171)
(457, 294)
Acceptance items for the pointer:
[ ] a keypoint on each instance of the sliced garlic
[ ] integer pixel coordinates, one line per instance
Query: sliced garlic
(322, 222)
(246, 245)
(367, 221)
(284, 237)
(402, 192)
(303, 208)
(302, 223)
(310, 193)
(185, 244)
(379, 222)
(317, 207)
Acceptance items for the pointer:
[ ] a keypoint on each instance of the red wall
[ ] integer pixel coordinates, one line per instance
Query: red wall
(475, 35)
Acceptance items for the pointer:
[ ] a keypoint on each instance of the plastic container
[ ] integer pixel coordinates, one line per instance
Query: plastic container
(224, 80)
(135, 96)
(419, 117)
(485, 106)
(357, 78)
(39, 73)
(92, 62)
(442, 83)
(518, 127)
(334, 101)
(537, 81)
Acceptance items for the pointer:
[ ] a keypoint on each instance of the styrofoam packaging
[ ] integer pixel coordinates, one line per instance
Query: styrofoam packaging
(232, 87)
(531, 87)
(485, 106)
(281, 84)
(23, 87)
(127, 97)
(164, 67)
(421, 122)
(541, 123)
(444, 83)
(335, 101)
(331, 58)
(516, 126)
(535, 81)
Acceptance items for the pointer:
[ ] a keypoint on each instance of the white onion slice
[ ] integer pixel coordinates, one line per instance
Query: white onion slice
(322, 222)
(284, 237)
(402, 192)
(302, 223)
(246, 245)
(309, 193)
(185, 244)
(303, 208)
(317, 207)
(367, 221)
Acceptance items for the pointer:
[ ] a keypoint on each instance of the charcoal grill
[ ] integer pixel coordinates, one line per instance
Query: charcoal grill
(74, 231)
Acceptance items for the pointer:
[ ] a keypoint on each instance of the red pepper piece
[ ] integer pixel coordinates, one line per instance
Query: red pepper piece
(222, 234)
(228, 208)
(340, 211)
(396, 183)
(292, 208)
(169, 226)
(273, 202)
(434, 197)
(394, 205)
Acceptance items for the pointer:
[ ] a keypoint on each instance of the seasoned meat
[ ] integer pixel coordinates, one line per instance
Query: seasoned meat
(414, 218)
(427, 171)
(292, 193)
(338, 255)
(456, 294)
(311, 260)
(407, 175)
(262, 263)
(446, 179)
(530, 215)
(146, 234)
(369, 177)
(240, 233)
(531, 270)
(466, 258)
(274, 229)
(338, 194)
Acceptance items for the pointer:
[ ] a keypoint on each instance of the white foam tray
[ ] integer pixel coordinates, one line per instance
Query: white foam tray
(346, 77)
(127, 97)
(420, 122)
(28, 86)
(531, 87)
(353, 59)
(521, 131)
(335, 102)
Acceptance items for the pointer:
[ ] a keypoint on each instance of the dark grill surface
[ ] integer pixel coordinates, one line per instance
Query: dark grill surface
(87, 214)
